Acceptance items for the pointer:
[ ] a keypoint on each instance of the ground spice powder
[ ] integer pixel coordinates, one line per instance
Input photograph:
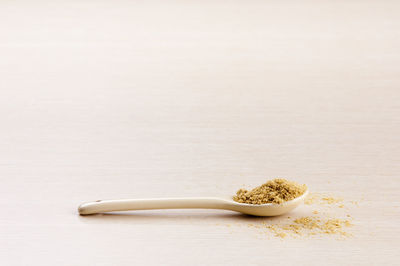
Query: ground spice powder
(274, 191)
(314, 225)
(319, 223)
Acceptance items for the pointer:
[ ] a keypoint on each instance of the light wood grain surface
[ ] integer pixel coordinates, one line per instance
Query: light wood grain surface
(128, 99)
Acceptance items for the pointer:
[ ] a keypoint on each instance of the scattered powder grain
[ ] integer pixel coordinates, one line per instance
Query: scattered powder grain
(274, 191)
(320, 223)
(318, 198)
(281, 234)
(331, 200)
(312, 198)
(311, 226)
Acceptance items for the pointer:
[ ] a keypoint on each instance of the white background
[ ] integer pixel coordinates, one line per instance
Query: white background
(129, 99)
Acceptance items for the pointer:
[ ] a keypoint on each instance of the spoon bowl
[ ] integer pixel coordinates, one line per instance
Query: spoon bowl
(269, 209)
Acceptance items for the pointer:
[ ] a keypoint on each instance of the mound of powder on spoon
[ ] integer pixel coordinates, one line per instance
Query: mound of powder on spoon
(274, 191)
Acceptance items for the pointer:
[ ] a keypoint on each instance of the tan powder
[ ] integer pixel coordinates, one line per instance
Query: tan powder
(318, 198)
(274, 191)
(331, 200)
(280, 190)
(311, 226)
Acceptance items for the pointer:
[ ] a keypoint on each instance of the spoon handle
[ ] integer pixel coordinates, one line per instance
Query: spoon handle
(101, 206)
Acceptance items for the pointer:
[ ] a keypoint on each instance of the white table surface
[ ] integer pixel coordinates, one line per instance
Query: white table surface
(124, 99)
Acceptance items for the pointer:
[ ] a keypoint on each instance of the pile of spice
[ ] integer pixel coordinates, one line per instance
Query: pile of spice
(310, 226)
(327, 215)
(274, 191)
